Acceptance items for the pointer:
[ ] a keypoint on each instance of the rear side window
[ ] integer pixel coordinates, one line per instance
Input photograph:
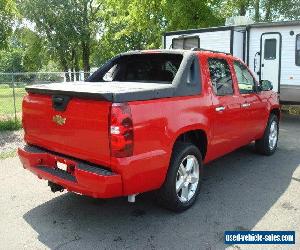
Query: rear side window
(148, 68)
(298, 50)
(220, 76)
(270, 49)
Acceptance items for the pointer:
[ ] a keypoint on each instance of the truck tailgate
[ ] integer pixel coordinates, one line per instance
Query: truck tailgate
(80, 131)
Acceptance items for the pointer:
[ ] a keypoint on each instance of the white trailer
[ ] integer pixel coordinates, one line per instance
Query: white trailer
(271, 50)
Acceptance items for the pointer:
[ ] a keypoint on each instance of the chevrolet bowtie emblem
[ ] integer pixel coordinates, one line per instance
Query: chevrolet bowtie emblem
(59, 120)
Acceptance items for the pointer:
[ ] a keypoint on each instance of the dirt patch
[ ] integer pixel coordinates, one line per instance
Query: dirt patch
(292, 110)
(10, 141)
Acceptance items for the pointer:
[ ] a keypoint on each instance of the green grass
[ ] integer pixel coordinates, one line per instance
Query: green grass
(8, 154)
(10, 125)
(7, 100)
(4, 86)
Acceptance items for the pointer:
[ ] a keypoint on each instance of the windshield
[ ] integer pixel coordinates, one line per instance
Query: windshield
(161, 68)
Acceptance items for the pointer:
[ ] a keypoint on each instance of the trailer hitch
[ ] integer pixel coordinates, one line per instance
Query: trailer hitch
(55, 187)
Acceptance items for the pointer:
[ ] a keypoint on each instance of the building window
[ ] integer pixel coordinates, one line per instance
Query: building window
(298, 50)
(270, 49)
(186, 42)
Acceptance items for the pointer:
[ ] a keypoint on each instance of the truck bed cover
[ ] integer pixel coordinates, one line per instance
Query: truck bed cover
(108, 91)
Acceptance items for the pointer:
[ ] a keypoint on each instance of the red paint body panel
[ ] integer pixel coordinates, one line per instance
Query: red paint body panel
(156, 123)
(84, 135)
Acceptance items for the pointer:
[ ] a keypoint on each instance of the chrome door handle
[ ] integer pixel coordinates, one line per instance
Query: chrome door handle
(245, 105)
(220, 109)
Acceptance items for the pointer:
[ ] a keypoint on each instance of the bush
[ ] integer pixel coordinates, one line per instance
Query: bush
(10, 125)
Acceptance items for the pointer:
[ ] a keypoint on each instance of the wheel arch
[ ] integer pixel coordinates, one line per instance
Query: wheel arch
(198, 137)
(276, 111)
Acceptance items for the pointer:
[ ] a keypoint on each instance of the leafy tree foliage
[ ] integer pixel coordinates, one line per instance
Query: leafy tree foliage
(25, 52)
(6, 21)
(140, 24)
(11, 61)
(68, 27)
(75, 34)
(195, 14)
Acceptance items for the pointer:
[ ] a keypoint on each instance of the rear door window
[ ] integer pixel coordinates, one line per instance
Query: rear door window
(220, 76)
(298, 50)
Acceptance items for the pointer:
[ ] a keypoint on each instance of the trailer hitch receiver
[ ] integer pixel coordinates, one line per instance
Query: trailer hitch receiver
(55, 187)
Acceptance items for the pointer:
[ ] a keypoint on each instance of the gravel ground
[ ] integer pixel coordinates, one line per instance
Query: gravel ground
(241, 191)
(10, 140)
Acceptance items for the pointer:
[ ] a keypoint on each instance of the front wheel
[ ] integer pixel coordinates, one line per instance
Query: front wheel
(267, 145)
(182, 184)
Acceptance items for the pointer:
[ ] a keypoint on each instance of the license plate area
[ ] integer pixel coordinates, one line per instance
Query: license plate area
(62, 166)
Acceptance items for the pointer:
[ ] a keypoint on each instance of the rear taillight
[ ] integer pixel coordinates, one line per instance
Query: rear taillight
(121, 130)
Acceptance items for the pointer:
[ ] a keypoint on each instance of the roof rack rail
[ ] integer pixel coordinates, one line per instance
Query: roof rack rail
(214, 51)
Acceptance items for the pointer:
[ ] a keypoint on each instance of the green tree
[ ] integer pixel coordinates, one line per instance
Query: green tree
(285, 9)
(68, 26)
(133, 25)
(140, 24)
(11, 60)
(194, 14)
(49, 18)
(6, 21)
(86, 23)
(34, 51)
(259, 10)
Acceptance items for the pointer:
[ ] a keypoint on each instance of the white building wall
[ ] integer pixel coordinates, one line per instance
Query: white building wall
(290, 73)
(217, 40)
(238, 41)
(220, 41)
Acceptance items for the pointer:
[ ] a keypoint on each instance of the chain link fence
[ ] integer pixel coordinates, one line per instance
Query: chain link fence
(12, 89)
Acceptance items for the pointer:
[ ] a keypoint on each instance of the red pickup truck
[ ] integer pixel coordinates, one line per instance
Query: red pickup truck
(147, 120)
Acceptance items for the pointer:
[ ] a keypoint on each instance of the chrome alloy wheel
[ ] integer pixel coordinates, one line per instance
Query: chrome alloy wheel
(273, 135)
(187, 178)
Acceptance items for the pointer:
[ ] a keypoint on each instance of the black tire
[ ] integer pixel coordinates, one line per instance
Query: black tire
(263, 145)
(167, 195)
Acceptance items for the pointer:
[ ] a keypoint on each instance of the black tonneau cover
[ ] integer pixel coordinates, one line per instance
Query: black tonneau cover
(108, 91)
(187, 82)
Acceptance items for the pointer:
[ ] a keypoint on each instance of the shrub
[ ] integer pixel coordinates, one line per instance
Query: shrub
(10, 125)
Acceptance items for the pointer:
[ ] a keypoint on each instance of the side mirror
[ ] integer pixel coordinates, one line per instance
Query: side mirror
(265, 85)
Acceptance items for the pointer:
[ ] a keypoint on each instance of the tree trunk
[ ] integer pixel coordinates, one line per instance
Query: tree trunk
(67, 74)
(256, 8)
(268, 11)
(86, 58)
(243, 9)
(65, 67)
(72, 63)
(72, 74)
(243, 6)
(76, 65)
(85, 41)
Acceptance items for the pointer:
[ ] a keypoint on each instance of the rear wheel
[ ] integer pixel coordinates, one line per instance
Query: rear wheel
(267, 145)
(182, 184)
